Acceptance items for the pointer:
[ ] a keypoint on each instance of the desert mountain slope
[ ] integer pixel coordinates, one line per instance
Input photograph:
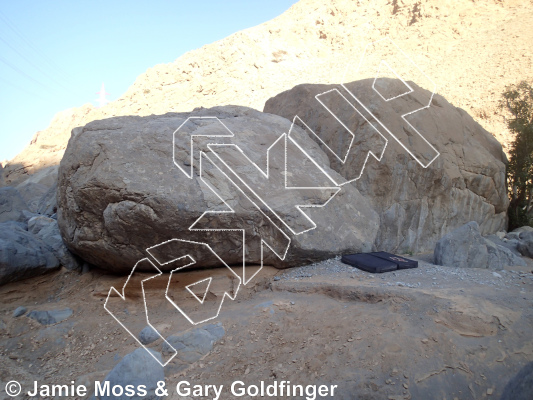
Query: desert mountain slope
(471, 50)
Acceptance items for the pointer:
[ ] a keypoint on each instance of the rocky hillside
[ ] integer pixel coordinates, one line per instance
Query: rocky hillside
(471, 50)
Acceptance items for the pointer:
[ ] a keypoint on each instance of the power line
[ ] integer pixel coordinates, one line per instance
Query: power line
(33, 64)
(50, 62)
(22, 89)
(14, 67)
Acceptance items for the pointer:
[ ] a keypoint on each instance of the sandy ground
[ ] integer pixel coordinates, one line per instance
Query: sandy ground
(428, 333)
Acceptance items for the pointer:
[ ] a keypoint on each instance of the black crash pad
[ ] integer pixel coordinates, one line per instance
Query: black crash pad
(402, 262)
(378, 262)
(368, 262)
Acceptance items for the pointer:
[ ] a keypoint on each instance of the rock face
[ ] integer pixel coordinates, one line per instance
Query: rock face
(48, 202)
(417, 205)
(12, 205)
(32, 193)
(466, 248)
(47, 230)
(20, 204)
(22, 255)
(30, 244)
(119, 192)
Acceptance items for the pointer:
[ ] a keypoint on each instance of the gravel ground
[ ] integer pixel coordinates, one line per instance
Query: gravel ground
(426, 276)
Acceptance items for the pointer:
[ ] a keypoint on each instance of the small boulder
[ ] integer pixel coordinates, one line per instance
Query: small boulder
(501, 256)
(50, 317)
(23, 255)
(148, 335)
(525, 244)
(510, 244)
(137, 368)
(19, 311)
(464, 247)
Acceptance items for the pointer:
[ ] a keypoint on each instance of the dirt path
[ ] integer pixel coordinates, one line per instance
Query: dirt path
(430, 333)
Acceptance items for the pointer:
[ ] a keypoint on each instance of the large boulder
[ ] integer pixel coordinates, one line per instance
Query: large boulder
(417, 203)
(464, 247)
(23, 255)
(119, 192)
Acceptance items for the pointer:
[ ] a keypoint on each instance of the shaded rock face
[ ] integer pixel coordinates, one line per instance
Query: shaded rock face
(120, 193)
(47, 204)
(23, 202)
(417, 205)
(23, 255)
(32, 193)
(137, 368)
(12, 205)
(464, 247)
(32, 247)
(520, 386)
(47, 230)
(508, 241)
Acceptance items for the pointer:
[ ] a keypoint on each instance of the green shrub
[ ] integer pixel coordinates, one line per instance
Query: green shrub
(517, 100)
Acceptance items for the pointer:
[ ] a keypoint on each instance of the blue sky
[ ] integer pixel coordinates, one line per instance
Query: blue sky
(55, 55)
